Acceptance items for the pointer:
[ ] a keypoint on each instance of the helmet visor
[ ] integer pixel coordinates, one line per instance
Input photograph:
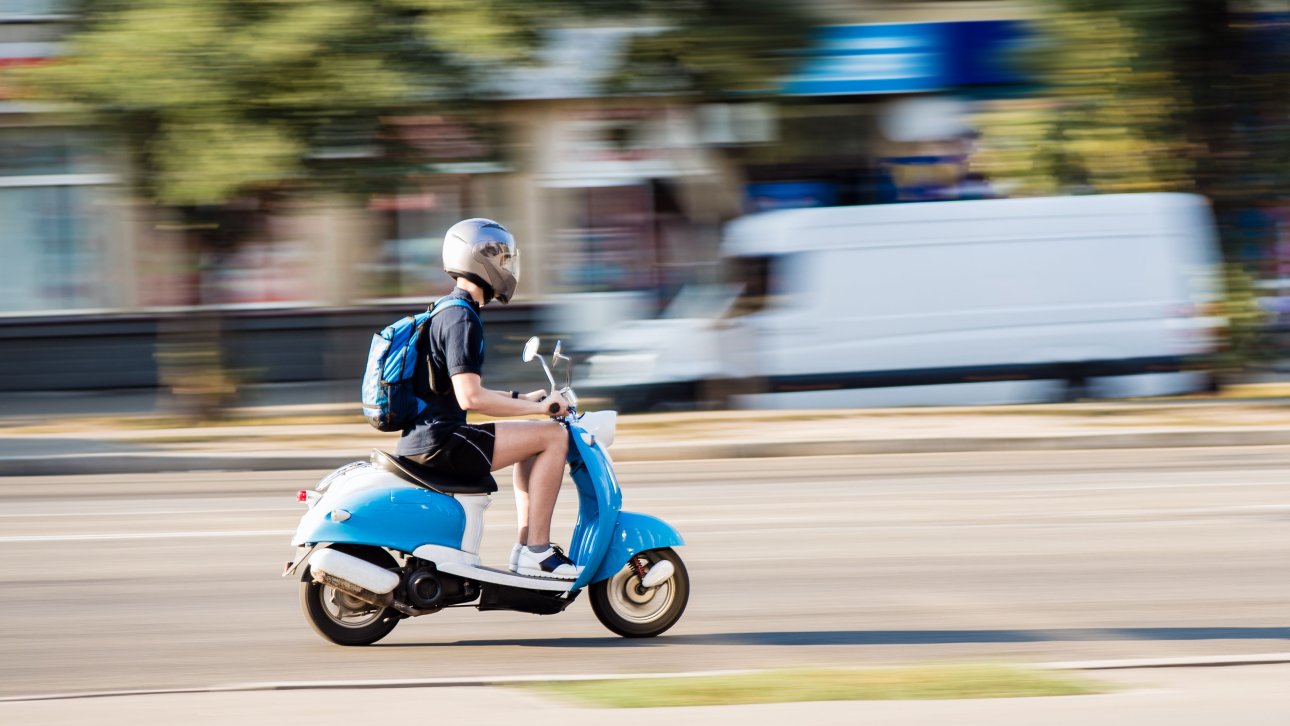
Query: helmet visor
(509, 261)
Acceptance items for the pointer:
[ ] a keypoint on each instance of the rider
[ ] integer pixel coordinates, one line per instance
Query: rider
(481, 255)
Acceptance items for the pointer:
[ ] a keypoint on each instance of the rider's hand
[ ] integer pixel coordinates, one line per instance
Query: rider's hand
(555, 398)
(534, 396)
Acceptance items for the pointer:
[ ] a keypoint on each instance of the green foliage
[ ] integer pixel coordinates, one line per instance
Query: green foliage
(1154, 95)
(715, 47)
(1245, 340)
(218, 99)
(222, 97)
(1105, 121)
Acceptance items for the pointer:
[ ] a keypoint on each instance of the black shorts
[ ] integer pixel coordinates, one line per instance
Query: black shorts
(467, 454)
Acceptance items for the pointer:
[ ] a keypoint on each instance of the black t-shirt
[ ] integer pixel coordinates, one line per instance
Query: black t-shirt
(455, 345)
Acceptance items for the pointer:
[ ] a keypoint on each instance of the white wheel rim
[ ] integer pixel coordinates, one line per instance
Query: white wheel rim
(346, 610)
(629, 602)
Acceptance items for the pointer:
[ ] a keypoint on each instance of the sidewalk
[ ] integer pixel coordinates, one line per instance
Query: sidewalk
(324, 436)
(1246, 695)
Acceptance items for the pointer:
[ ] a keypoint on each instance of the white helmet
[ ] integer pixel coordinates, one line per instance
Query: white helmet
(483, 252)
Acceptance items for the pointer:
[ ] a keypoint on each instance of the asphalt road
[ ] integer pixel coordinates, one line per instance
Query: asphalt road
(171, 581)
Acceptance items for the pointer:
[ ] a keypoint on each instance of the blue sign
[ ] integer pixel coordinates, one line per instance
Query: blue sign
(909, 58)
(848, 59)
(767, 196)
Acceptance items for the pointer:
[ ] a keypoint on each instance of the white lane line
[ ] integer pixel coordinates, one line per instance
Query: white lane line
(152, 512)
(871, 526)
(889, 489)
(146, 535)
(1178, 662)
(1115, 516)
(451, 681)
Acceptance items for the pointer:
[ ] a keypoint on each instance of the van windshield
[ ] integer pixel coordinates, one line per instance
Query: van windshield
(757, 279)
(702, 301)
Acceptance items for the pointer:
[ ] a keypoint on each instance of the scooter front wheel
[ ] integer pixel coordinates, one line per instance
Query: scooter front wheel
(632, 611)
(342, 618)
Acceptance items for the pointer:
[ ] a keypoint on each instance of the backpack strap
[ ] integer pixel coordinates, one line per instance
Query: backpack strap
(441, 305)
(453, 302)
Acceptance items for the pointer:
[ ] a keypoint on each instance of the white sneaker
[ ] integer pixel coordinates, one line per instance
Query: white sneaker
(550, 562)
(515, 557)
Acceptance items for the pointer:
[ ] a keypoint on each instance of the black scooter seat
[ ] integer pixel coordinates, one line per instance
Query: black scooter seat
(432, 479)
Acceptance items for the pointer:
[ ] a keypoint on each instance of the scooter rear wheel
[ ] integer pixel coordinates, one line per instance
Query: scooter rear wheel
(342, 618)
(623, 606)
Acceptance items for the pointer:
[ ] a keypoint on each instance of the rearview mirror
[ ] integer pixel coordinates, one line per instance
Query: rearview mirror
(530, 349)
(556, 355)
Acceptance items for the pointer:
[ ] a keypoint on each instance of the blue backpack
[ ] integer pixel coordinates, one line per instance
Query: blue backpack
(390, 400)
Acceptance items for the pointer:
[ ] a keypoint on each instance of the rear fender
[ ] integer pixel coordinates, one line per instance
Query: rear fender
(400, 518)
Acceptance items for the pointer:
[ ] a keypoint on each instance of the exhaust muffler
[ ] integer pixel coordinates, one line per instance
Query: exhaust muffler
(370, 583)
(353, 571)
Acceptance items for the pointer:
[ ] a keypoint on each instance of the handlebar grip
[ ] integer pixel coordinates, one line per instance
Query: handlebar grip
(553, 409)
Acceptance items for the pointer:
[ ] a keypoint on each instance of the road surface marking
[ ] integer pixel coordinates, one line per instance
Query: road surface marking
(146, 535)
(157, 512)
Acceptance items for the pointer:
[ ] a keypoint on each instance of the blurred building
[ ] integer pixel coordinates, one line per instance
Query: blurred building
(609, 193)
(617, 195)
(59, 236)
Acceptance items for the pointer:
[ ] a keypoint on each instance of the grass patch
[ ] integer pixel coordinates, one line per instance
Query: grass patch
(872, 684)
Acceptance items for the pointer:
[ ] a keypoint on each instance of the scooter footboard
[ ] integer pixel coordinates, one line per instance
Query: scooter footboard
(634, 533)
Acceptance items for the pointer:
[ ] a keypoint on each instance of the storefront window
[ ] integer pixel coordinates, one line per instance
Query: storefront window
(408, 262)
(605, 241)
(34, 8)
(53, 230)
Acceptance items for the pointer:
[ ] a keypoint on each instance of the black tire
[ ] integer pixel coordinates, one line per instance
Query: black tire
(621, 606)
(317, 600)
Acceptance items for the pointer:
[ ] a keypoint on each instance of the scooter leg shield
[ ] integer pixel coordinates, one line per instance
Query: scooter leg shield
(635, 533)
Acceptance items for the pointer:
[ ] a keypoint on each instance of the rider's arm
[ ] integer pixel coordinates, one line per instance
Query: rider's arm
(472, 396)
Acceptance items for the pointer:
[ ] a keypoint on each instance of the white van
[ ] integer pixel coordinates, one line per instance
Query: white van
(993, 301)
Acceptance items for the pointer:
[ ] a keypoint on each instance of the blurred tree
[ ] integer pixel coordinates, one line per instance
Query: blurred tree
(1154, 95)
(1101, 120)
(714, 47)
(226, 106)
(1164, 95)
(222, 98)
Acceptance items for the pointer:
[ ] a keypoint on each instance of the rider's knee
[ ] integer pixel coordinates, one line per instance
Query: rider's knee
(557, 439)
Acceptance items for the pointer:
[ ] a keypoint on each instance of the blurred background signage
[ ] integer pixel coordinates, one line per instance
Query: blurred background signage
(909, 58)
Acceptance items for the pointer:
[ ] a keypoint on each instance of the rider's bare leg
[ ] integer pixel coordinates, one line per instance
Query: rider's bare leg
(520, 479)
(545, 444)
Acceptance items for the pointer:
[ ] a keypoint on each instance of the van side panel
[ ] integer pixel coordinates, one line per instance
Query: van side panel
(1070, 288)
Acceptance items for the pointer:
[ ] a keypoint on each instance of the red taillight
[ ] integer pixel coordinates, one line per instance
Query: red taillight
(302, 496)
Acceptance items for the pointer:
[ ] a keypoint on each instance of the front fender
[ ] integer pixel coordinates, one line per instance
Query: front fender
(635, 533)
(401, 518)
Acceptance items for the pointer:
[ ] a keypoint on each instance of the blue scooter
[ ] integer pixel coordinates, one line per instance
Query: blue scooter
(388, 539)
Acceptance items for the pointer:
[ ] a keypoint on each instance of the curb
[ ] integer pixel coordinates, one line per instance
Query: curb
(486, 681)
(155, 463)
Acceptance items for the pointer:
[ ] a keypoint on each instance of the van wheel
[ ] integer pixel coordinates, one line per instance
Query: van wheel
(1076, 387)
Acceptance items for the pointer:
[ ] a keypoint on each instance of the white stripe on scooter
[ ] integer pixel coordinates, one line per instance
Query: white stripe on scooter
(145, 535)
